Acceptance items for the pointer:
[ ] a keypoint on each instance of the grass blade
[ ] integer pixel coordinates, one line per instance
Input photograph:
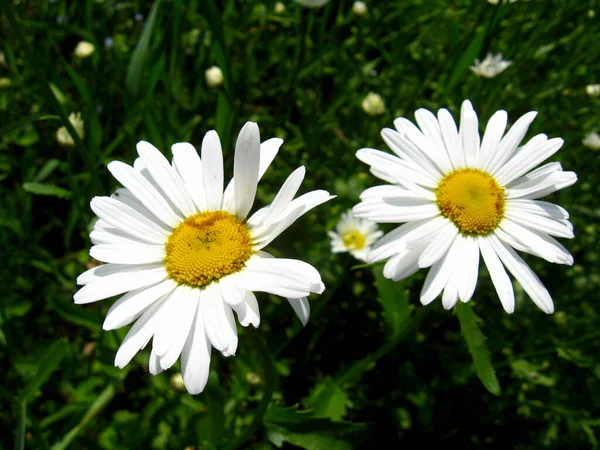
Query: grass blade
(51, 361)
(137, 64)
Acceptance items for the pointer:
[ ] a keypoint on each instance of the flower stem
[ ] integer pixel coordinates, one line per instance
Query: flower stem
(269, 377)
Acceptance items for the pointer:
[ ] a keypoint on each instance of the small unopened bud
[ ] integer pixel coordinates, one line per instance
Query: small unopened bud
(373, 104)
(84, 49)
(214, 77)
(360, 8)
(177, 382)
(593, 90)
(62, 134)
(279, 8)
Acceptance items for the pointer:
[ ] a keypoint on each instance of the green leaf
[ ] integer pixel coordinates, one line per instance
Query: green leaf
(394, 301)
(302, 429)
(133, 82)
(50, 362)
(327, 399)
(476, 343)
(58, 94)
(46, 189)
(50, 166)
(21, 427)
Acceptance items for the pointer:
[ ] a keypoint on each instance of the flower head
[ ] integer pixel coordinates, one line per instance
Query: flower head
(312, 3)
(373, 104)
(359, 8)
(593, 90)
(84, 49)
(214, 76)
(63, 137)
(461, 196)
(279, 8)
(491, 66)
(354, 236)
(592, 141)
(184, 255)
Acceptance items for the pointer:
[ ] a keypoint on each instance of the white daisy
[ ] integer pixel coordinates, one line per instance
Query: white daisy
(182, 252)
(491, 66)
(461, 196)
(354, 235)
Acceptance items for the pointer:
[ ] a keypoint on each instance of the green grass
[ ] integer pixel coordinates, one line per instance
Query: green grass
(372, 362)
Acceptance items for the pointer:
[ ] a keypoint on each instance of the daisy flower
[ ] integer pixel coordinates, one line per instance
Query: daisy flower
(354, 236)
(184, 255)
(491, 66)
(462, 196)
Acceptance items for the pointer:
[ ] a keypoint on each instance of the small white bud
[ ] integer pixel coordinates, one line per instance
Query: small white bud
(214, 77)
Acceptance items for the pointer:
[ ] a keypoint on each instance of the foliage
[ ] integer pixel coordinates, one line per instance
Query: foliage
(372, 362)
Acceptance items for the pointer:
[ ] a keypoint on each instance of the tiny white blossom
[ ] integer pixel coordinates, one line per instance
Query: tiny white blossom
(84, 49)
(354, 235)
(373, 104)
(279, 8)
(214, 76)
(593, 90)
(592, 141)
(360, 8)
(491, 66)
(62, 134)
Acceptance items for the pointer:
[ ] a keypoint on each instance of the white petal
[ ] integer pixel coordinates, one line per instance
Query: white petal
(268, 151)
(195, 358)
(545, 225)
(154, 363)
(219, 321)
(510, 142)
(392, 242)
(394, 169)
(538, 207)
(294, 210)
(189, 167)
(179, 332)
(245, 169)
(527, 158)
(128, 253)
(536, 243)
(124, 196)
(128, 220)
(139, 334)
(120, 282)
(400, 144)
(110, 235)
(131, 305)
(470, 268)
(438, 275)
(387, 191)
(469, 133)
(524, 275)
(541, 186)
(143, 190)
(431, 130)
(301, 307)
(166, 177)
(451, 138)
(402, 265)
(247, 310)
(292, 269)
(384, 212)
(500, 278)
(282, 199)
(492, 136)
(450, 295)
(438, 246)
(212, 170)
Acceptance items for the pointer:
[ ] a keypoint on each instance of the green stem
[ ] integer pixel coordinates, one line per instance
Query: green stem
(269, 377)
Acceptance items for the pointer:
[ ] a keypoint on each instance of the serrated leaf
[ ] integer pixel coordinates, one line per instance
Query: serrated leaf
(57, 351)
(36, 188)
(328, 400)
(476, 343)
(394, 301)
(302, 429)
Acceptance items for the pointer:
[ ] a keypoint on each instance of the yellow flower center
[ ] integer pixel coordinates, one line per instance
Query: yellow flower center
(206, 247)
(472, 199)
(354, 240)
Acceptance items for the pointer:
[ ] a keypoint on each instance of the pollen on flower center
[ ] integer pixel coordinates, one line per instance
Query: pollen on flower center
(206, 247)
(354, 240)
(472, 199)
